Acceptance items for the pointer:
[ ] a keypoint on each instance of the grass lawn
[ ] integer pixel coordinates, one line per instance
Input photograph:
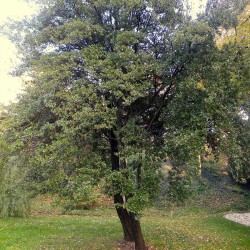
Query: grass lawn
(59, 232)
(195, 229)
(186, 229)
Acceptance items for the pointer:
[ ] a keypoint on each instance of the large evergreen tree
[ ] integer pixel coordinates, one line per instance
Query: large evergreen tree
(117, 87)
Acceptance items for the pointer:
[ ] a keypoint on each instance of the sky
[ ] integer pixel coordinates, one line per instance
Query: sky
(17, 10)
(10, 86)
(197, 5)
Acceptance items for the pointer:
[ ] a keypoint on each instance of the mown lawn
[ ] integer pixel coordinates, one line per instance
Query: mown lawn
(59, 232)
(186, 229)
(195, 229)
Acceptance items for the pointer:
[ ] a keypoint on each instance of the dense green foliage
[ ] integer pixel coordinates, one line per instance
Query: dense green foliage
(14, 199)
(237, 44)
(117, 88)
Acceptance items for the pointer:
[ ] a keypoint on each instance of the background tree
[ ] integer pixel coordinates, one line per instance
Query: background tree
(236, 44)
(14, 197)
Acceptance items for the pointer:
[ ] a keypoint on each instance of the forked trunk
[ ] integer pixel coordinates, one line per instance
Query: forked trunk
(124, 218)
(138, 236)
(130, 224)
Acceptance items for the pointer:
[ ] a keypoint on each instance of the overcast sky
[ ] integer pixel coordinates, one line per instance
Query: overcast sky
(10, 86)
(18, 9)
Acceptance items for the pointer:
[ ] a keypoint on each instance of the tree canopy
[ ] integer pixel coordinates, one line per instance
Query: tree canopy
(117, 88)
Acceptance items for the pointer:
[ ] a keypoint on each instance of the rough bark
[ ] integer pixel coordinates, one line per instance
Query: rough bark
(124, 217)
(137, 232)
(114, 151)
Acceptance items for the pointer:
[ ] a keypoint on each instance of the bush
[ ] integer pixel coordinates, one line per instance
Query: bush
(14, 200)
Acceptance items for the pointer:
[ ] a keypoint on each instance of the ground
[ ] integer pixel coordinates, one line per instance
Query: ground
(242, 218)
(201, 223)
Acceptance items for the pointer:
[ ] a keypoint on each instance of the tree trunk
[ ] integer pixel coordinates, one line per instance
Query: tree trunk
(124, 218)
(137, 232)
(130, 224)
(200, 167)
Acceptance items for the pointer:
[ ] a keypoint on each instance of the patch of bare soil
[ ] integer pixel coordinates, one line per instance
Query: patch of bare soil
(129, 245)
(43, 205)
(242, 218)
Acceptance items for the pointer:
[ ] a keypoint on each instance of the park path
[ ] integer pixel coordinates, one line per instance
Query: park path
(242, 218)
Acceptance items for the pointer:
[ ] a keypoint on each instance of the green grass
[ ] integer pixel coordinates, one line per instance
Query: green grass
(59, 232)
(195, 229)
(186, 229)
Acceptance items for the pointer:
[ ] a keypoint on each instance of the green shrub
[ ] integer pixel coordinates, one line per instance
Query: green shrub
(14, 199)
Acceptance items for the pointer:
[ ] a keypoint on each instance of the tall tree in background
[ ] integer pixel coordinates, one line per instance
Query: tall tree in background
(136, 80)
(235, 43)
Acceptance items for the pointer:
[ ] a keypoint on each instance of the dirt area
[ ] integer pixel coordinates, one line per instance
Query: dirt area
(242, 218)
(128, 245)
